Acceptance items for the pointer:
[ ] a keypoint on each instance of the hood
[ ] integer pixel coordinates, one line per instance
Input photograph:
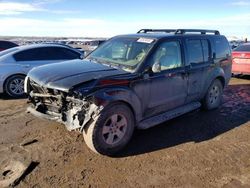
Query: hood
(63, 76)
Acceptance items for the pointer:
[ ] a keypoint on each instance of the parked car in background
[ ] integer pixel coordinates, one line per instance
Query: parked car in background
(4, 45)
(16, 62)
(241, 60)
(132, 81)
(66, 45)
(92, 45)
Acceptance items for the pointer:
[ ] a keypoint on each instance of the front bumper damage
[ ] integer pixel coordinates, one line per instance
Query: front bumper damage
(74, 113)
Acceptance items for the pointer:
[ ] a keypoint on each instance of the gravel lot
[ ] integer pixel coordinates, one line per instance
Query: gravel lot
(199, 149)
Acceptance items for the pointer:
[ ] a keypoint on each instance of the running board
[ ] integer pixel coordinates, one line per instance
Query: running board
(155, 120)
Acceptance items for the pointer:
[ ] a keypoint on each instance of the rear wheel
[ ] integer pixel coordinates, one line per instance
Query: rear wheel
(111, 131)
(213, 96)
(14, 86)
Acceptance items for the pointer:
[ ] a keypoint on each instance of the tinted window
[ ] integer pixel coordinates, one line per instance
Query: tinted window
(6, 44)
(58, 53)
(195, 53)
(27, 55)
(168, 55)
(243, 48)
(46, 53)
(222, 48)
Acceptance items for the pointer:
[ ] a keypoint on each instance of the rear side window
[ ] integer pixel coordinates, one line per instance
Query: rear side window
(195, 54)
(198, 51)
(243, 48)
(222, 48)
(46, 53)
(58, 53)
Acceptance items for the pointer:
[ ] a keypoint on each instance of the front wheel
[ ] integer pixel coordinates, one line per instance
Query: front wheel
(14, 86)
(111, 131)
(213, 96)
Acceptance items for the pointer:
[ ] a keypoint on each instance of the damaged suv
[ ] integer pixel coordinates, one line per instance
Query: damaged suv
(132, 81)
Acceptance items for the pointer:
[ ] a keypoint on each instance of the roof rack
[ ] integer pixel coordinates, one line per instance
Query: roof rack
(157, 31)
(180, 31)
(201, 31)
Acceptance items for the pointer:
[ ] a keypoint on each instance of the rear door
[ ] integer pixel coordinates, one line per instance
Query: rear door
(198, 66)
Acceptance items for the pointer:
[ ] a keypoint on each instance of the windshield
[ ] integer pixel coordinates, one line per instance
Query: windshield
(124, 52)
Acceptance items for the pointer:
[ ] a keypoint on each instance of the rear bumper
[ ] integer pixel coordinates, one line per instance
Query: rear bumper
(241, 68)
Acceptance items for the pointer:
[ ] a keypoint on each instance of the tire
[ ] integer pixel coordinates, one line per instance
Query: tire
(111, 131)
(213, 97)
(14, 86)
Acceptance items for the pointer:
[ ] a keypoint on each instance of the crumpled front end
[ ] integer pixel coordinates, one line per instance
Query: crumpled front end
(73, 111)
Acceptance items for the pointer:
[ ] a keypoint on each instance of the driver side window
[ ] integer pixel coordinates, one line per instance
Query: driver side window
(168, 55)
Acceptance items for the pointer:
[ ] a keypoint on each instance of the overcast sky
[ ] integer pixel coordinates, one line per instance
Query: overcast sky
(105, 18)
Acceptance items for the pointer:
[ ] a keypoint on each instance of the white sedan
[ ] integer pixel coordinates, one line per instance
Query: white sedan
(16, 62)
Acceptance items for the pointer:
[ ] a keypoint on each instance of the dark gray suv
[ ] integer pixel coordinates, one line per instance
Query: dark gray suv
(132, 81)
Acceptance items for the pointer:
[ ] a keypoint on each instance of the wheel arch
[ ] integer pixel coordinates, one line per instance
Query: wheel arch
(121, 95)
(126, 104)
(222, 79)
(217, 73)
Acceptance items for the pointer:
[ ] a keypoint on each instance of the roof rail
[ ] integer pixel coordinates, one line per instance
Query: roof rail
(201, 31)
(180, 31)
(157, 30)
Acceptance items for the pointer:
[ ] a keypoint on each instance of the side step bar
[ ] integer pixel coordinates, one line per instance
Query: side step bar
(150, 122)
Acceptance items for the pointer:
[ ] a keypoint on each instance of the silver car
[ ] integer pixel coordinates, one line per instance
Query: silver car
(16, 62)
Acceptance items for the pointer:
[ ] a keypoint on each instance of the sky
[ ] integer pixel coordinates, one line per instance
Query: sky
(106, 18)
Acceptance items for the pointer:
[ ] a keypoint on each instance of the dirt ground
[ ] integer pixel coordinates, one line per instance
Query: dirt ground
(199, 149)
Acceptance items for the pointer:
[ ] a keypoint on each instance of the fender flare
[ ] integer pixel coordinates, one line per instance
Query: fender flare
(218, 73)
(120, 94)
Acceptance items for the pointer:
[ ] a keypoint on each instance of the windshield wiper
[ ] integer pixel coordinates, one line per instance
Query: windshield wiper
(92, 59)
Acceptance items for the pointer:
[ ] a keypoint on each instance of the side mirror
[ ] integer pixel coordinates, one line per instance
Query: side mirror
(156, 67)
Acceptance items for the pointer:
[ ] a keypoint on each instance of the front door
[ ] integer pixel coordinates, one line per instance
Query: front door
(168, 84)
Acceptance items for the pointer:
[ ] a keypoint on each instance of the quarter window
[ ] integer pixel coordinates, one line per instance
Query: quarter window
(222, 48)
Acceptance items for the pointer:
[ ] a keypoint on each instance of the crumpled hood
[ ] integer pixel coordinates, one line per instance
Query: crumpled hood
(65, 75)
